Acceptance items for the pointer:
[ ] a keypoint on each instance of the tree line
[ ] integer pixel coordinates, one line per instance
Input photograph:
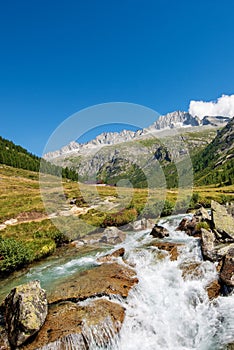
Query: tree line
(18, 157)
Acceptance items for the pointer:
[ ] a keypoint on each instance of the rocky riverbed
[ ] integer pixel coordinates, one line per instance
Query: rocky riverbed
(160, 287)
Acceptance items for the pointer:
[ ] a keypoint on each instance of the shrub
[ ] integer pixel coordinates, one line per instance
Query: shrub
(202, 224)
(121, 218)
(13, 254)
(168, 208)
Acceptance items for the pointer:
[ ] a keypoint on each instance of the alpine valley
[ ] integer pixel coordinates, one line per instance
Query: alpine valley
(151, 156)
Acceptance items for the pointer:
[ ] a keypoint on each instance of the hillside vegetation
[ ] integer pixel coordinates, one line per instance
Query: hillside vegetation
(215, 164)
(18, 157)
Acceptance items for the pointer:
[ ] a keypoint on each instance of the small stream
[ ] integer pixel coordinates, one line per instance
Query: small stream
(164, 311)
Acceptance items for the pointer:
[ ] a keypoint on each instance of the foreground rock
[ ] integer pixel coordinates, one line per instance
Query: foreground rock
(25, 312)
(223, 221)
(226, 274)
(217, 238)
(68, 323)
(208, 244)
(104, 280)
(159, 232)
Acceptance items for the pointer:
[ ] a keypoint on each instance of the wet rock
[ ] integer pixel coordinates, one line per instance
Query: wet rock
(106, 279)
(213, 289)
(227, 271)
(69, 323)
(112, 235)
(159, 232)
(172, 248)
(192, 270)
(25, 312)
(188, 226)
(223, 222)
(208, 244)
(110, 257)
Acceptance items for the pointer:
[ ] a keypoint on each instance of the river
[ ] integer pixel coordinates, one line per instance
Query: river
(164, 310)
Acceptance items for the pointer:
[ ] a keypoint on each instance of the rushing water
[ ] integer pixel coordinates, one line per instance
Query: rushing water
(164, 310)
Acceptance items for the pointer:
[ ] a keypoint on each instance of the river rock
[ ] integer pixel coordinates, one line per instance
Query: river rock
(192, 270)
(208, 244)
(142, 224)
(25, 312)
(119, 253)
(106, 279)
(213, 289)
(227, 271)
(70, 324)
(159, 232)
(112, 235)
(223, 222)
(188, 226)
(172, 248)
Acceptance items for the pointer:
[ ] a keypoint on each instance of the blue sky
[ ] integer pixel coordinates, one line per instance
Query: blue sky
(58, 57)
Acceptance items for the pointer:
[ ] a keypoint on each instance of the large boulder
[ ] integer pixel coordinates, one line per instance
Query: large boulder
(222, 220)
(25, 312)
(208, 244)
(104, 280)
(227, 271)
(73, 326)
(159, 232)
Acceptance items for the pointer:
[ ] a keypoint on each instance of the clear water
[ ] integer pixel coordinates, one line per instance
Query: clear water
(164, 311)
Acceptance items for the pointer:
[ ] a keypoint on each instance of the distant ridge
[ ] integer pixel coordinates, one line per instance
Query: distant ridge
(174, 120)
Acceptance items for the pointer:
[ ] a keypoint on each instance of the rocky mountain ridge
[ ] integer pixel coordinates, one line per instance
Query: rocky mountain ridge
(170, 121)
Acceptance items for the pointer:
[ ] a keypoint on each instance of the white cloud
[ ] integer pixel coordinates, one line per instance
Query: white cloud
(224, 106)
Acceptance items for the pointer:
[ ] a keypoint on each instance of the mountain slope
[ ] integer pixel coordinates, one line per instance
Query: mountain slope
(215, 164)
